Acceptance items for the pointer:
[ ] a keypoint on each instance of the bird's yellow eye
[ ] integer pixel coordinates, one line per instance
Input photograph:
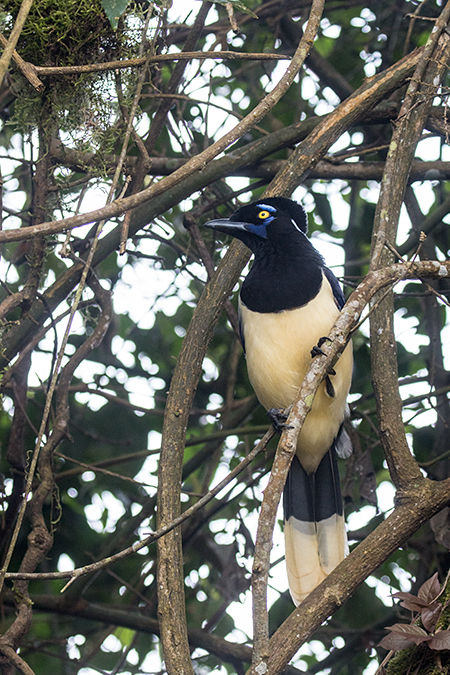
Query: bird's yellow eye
(263, 215)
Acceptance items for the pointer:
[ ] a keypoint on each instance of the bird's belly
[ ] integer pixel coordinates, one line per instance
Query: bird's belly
(278, 351)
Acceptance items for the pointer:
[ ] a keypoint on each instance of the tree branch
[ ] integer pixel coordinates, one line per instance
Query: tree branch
(154, 536)
(223, 649)
(179, 400)
(194, 180)
(312, 149)
(407, 131)
(40, 538)
(48, 71)
(418, 505)
(306, 154)
(14, 37)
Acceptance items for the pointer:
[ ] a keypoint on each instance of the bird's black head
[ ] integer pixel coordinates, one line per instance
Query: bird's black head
(275, 219)
(287, 270)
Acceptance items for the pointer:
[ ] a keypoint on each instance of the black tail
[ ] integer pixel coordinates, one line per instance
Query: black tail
(314, 527)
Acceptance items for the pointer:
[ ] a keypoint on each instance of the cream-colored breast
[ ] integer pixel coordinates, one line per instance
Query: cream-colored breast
(278, 350)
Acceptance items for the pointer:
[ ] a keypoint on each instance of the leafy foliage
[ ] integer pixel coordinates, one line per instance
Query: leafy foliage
(425, 607)
(427, 633)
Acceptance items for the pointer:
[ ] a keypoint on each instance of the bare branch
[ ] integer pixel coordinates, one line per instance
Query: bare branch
(47, 71)
(300, 163)
(418, 505)
(154, 536)
(27, 69)
(40, 539)
(406, 134)
(14, 37)
(223, 649)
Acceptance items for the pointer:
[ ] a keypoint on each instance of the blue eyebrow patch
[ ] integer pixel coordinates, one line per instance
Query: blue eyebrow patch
(271, 209)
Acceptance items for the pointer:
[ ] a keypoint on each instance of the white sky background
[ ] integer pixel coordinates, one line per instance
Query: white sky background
(136, 294)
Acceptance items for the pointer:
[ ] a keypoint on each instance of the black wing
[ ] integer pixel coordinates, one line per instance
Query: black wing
(241, 331)
(335, 287)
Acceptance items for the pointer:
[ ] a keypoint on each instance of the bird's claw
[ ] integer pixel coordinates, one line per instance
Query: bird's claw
(278, 418)
(315, 351)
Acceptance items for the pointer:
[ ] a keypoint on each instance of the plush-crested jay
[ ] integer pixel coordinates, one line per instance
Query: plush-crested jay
(288, 303)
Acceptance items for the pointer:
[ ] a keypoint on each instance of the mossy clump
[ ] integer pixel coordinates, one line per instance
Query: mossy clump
(69, 33)
(418, 660)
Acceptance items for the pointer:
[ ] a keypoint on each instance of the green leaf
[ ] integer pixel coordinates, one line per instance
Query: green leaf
(125, 635)
(114, 10)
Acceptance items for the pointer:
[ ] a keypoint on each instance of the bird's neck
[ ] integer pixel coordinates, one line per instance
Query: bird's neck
(280, 280)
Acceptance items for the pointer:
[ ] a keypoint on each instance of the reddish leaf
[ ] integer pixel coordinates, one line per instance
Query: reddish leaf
(408, 629)
(441, 640)
(409, 632)
(430, 590)
(403, 636)
(394, 642)
(410, 601)
(430, 616)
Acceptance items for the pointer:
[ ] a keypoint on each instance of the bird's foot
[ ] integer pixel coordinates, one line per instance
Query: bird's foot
(316, 350)
(278, 418)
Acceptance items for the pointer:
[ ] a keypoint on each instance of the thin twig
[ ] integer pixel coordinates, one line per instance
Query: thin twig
(324, 134)
(26, 68)
(160, 58)
(52, 385)
(14, 37)
(136, 99)
(192, 510)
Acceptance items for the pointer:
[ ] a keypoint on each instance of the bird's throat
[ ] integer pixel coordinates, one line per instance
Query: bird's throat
(275, 284)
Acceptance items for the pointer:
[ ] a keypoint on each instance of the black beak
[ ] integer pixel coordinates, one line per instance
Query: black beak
(226, 226)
